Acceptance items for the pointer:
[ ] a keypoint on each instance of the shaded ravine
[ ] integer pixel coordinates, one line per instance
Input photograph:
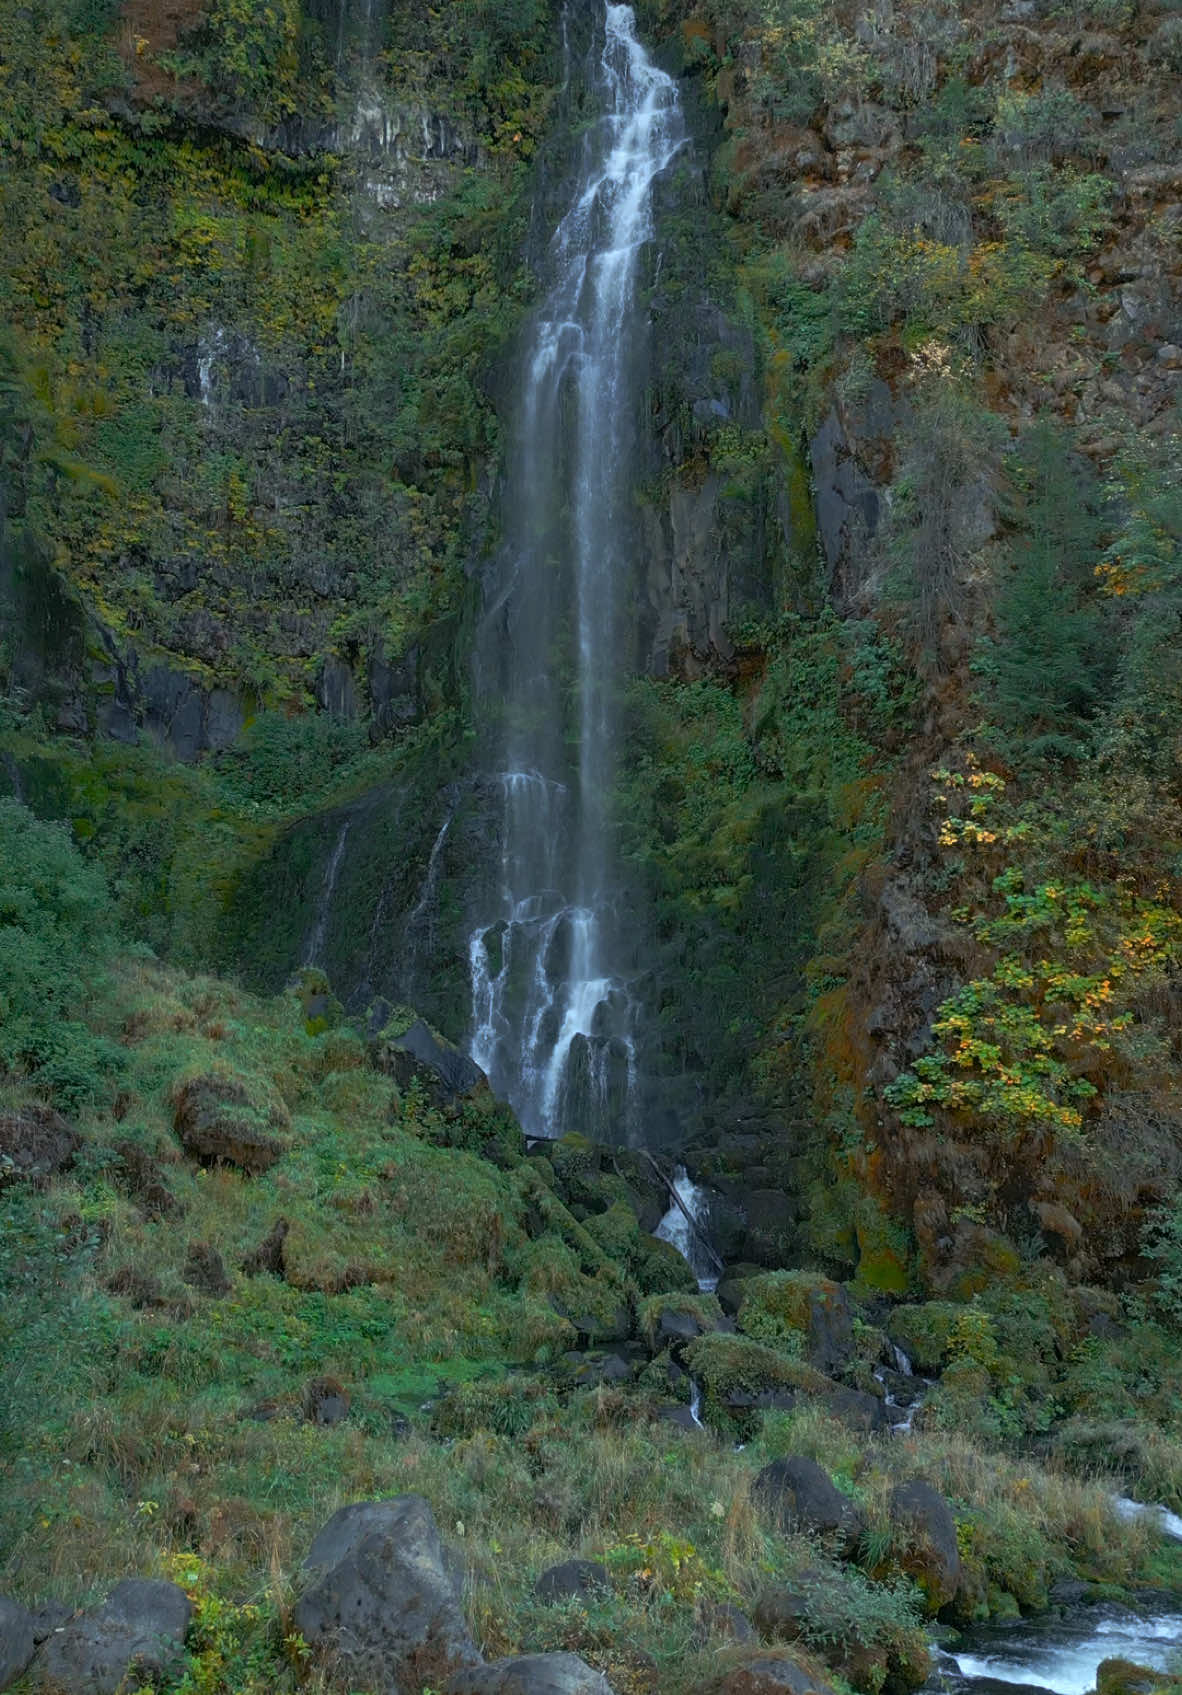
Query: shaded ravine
(554, 1017)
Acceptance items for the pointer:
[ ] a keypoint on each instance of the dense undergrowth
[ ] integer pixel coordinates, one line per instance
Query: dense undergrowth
(912, 856)
(203, 1361)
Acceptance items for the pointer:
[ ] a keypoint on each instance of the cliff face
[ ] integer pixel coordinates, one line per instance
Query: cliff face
(959, 230)
(901, 780)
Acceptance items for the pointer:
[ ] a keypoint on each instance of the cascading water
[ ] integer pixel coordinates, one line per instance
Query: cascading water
(554, 1019)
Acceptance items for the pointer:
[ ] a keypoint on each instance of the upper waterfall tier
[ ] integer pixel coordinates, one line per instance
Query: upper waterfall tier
(554, 1018)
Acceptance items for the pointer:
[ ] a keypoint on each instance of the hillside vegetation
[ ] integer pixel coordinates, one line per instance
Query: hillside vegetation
(907, 836)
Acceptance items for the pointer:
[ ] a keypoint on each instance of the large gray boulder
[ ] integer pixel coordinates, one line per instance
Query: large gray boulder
(379, 1603)
(798, 1495)
(16, 1640)
(138, 1632)
(932, 1555)
(531, 1674)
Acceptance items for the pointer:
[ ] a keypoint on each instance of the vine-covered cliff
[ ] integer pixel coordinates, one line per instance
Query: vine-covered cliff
(895, 815)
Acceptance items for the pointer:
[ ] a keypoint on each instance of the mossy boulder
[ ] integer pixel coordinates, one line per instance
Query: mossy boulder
(219, 1124)
(1125, 1677)
(925, 1532)
(675, 1317)
(617, 1232)
(421, 1055)
(924, 1331)
(660, 1268)
(796, 1494)
(738, 1376)
(576, 1161)
(802, 1313)
(35, 1142)
(977, 1259)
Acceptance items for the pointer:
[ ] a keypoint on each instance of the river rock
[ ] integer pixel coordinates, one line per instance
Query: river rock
(379, 1603)
(932, 1556)
(16, 1640)
(138, 1632)
(798, 1495)
(773, 1675)
(35, 1143)
(573, 1579)
(531, 1674)
(1124, 1677)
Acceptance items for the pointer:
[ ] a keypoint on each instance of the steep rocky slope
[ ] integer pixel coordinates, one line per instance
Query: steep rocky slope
(900, 801)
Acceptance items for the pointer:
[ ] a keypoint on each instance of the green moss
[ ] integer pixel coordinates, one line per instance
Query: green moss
(725, 1364)
(778, 1307)
(884, 1252)
(703, 1309)
(924, 1333)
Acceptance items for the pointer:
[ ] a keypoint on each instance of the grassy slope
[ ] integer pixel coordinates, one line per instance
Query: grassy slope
(127, 1427)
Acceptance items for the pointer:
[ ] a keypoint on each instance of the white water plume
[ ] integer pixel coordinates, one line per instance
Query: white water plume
(553, 1012)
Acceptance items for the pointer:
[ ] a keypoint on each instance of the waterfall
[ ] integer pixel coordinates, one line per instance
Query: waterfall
(327, 890)
(690, 1238)
(554, 1017)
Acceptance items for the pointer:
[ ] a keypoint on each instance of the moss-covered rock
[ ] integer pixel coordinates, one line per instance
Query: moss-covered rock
(802, 1313)
(924, 1331)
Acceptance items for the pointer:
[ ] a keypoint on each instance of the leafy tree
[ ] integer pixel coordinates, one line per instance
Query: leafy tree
(1049, 667)
(56, 935)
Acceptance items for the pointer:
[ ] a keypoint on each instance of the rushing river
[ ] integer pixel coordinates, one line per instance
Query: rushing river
(1060, 1654)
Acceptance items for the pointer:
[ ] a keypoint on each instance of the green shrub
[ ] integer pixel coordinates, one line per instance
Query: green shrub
(56, 939)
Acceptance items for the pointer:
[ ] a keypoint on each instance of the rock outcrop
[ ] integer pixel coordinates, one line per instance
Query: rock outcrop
(137, 1634)
(379, 1606)
(16, 1640)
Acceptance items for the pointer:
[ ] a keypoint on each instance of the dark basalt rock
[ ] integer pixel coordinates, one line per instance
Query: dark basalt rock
(139, 1287)
(782, 1609)
(380, 1605)
(418, 1054)
(17, 1640)
(137, 1635)
(573, 1579)
(773, 1676)
(325, 1401)
(932, 1557)
(141, 1177)
(35, 1143)
(672, 1412)
(531, 1674)
(205, 1270)
(269, 1256)
(858, 1410)
(798, 1495)
(48, 1617)
(674, 1326)
(719, 1619)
